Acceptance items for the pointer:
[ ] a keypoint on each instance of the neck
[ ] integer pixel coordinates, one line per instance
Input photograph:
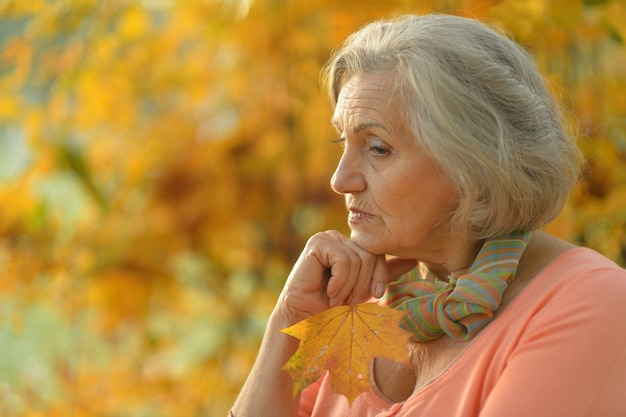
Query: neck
(456, 263)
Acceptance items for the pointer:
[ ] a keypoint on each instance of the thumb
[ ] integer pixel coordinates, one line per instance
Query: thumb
(388, 270)
(396, 267)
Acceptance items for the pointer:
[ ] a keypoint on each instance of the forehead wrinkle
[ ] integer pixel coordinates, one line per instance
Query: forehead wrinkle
(364, 126)
(358, 113)
(348, 111)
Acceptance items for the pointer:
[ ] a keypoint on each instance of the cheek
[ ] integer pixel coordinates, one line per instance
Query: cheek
(414, 203)
(402, 204)
(395, 199)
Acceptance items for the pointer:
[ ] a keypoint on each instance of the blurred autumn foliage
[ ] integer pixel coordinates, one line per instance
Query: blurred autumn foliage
(162, 163)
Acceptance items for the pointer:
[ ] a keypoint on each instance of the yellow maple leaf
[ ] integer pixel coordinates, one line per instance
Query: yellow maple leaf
(345, 340)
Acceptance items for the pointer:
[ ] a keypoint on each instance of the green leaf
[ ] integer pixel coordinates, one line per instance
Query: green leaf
(71, 156)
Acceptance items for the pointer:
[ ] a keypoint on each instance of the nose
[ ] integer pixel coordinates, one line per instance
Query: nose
(348, 177)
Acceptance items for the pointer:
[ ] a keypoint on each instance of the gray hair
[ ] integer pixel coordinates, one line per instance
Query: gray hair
(477, 104)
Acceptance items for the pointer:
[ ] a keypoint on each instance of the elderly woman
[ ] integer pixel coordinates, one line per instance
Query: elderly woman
(454, 155)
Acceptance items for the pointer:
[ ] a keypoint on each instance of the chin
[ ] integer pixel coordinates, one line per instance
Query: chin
(368, 242)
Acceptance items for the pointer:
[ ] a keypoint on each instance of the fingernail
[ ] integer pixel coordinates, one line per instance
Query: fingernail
(379, 290)
(332, 302)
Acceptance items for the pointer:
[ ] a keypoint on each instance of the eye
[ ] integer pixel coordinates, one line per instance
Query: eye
(378, 148)
(341, 141)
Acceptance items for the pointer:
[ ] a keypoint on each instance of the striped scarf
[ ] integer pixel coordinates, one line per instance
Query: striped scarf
(464, 305)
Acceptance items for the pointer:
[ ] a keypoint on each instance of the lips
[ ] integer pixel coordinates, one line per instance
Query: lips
(357, 216)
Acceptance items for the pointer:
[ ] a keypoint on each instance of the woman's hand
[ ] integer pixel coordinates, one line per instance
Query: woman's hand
(332, 270)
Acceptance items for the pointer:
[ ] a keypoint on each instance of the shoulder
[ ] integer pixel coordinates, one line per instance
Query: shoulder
(586, 279)
(576, 287)
(566, 329)
(556, 277)
(582, 267)
(551, 261)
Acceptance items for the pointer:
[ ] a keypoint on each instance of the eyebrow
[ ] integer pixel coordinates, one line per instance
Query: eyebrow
(362, 126)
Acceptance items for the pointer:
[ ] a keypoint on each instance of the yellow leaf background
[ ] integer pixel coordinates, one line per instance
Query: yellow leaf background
(162, 164)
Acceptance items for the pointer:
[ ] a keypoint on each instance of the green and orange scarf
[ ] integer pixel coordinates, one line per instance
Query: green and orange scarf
(461, 307)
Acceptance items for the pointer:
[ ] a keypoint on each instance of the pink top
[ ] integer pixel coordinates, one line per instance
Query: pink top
(558, 349)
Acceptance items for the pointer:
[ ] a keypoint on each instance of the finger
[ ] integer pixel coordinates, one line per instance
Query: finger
(388, 270)
(343, 266)
(361, 288)
(357, 287)
(344, 270)
(355, 282)
(380, 277)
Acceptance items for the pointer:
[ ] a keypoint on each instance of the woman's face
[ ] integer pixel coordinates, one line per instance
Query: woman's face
(399, 201)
